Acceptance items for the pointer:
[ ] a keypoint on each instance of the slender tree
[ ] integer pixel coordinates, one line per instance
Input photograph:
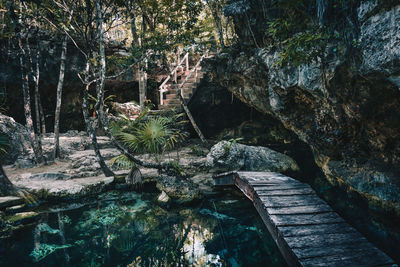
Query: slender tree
(59, 95)
(42, 116)
(100, 87)
(24, 79)
(35, 74)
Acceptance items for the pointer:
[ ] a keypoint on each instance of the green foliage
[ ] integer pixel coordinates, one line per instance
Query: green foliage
(122, 162)
(107, 102)
(231, 142)
(197, 150)
(148, 134)
(177, 169)
(301, 29)
(303, 47)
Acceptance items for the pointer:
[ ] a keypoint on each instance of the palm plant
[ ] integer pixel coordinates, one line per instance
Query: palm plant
(147, 134)
(107, 102)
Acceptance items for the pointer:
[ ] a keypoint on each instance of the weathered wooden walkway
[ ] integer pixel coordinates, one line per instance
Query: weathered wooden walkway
(307, 231)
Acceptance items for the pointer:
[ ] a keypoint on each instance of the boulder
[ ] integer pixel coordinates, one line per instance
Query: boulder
(18, 139)
(130, 109)
(180, 191)
(230, 156)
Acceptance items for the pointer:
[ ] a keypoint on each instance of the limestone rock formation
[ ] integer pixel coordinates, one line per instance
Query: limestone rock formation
(345, 109)
(229, 156)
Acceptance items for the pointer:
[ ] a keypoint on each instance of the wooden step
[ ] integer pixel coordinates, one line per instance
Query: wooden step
(166, 107)
(172, 101)
(172, 96)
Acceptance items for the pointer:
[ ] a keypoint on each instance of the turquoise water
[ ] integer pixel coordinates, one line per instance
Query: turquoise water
(131, 229)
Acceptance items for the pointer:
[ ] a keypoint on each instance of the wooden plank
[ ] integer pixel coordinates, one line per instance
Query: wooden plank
(223, 181)
(366, 258)
(290, 201)
(324, 240)
(273, 187)
(291, 192)
(305, 219)
(302, 230)
(336, 249)
(270, 181)
(312, 209)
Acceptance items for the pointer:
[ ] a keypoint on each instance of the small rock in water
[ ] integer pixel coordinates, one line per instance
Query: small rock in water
(163, 197)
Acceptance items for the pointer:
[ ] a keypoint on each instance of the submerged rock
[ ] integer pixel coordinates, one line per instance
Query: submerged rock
(229, 156)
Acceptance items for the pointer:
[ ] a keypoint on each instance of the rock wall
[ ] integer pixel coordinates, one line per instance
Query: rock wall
(346, 110)
(125, 89)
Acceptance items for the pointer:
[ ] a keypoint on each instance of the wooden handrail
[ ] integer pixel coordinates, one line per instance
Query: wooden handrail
(191, 72)
(174, 74)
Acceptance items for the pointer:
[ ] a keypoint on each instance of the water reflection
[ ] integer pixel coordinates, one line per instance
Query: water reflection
(129, 229)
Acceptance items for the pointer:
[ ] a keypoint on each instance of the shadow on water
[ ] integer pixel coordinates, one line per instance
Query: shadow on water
(131, 229)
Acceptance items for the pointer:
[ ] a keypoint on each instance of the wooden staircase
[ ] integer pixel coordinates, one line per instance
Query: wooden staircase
(181, 80)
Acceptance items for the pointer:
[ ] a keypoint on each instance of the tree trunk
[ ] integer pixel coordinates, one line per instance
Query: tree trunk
(42, 116)
(135, 36)
(36, 75)
(25, 81)
(91, 130)
(142, 88)
(27, 104)
(5, 184)
(100, 88)
(59, 94)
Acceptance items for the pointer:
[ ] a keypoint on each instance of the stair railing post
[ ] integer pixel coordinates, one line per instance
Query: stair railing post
(161, 95)
(176, 76)
(187, 64)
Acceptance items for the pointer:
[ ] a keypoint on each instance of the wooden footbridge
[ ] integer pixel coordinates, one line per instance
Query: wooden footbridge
(307, 231)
